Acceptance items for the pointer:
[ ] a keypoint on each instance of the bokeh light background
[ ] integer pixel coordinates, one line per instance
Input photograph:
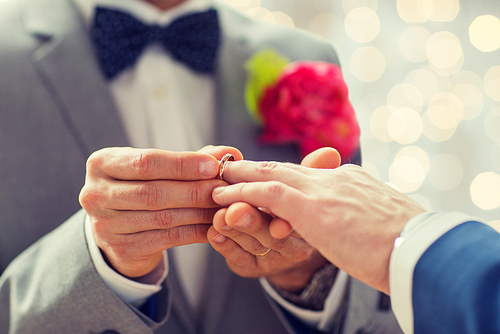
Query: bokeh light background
(424, 78)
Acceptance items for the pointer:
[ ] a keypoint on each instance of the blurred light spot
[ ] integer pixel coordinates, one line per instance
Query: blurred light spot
(404, 125)
(446, 172)
(472, 100)
(371, 169)
(425, 81)
(415, 10)
(492, 124)
(412, 44)
(444, 51)
(378, 123)
(442, 117)
(349, 5)
(244, 4)
(451, 102)
(362, 25)
(485, 191)
(444, 10)
(492, 83)
(406, 173)
(367, 64)
(484, 33)
(327, 26)
(466, 77)
(434, 133)
(417, 153)
(279, 18)
(424, 202)
(405, 96)
(258, 13)
(495, 224)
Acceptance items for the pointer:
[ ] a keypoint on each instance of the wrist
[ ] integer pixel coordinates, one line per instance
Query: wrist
(313, 296)
(296, 279)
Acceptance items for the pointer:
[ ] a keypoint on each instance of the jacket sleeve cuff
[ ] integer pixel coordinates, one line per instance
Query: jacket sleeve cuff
(417, 235)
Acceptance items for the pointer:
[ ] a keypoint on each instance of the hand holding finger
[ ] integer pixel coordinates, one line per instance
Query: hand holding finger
(241, 234)
(141, 202)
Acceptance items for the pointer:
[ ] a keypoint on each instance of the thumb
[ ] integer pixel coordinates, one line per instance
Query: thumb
(326, 157)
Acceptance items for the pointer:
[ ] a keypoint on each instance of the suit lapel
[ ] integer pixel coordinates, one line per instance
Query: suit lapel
(90, 115)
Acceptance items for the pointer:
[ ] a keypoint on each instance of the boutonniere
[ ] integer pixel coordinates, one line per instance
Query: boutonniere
(304, 103)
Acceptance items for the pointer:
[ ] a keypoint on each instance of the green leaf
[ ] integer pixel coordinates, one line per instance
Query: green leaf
(263, 69)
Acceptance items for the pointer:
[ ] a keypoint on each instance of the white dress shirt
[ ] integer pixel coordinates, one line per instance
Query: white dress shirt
(165, 105)
(418, 234)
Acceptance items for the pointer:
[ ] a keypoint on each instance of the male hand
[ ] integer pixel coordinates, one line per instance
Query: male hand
(242, 233)
(143, 201)
(350, 217)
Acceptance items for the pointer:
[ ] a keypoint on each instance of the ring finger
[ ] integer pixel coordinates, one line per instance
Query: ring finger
(247, 242)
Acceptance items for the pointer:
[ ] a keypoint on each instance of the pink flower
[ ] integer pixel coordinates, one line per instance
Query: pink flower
(309, 106)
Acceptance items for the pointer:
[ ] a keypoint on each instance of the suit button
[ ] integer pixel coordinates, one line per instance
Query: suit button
(107, 331)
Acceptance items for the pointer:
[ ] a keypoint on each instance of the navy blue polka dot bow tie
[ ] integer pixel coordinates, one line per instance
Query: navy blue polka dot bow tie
(120, 38)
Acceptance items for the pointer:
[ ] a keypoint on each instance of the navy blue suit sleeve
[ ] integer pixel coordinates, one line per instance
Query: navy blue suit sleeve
(456, 283)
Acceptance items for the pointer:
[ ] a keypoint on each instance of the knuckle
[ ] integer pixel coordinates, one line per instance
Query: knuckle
(95, 161)
(196, 195)
(150, 195)
(257, 248)
(267, 168)
(275, 188)
(143, 163)
(164, 219)
(279, 244)
(179, 167)
(89, 196)
(172, 235)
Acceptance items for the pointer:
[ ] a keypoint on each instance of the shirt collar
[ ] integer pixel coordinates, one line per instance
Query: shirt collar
(142, 10)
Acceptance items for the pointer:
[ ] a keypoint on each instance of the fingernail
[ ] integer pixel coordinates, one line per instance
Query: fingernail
(244, 221)
(219, 238)
(218, 190)
(227, 228)
(209, 168)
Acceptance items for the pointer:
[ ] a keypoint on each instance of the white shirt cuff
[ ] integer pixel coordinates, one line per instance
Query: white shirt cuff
(130, 291)
(418, 234)
(321, 320)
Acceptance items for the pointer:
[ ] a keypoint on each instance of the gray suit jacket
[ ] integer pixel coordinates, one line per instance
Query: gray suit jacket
(55, 109)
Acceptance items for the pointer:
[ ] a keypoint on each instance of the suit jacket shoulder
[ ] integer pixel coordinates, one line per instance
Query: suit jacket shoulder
(53, 287)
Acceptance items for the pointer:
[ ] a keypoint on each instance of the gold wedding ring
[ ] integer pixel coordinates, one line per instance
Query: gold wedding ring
(222, 164)
(265, 253)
